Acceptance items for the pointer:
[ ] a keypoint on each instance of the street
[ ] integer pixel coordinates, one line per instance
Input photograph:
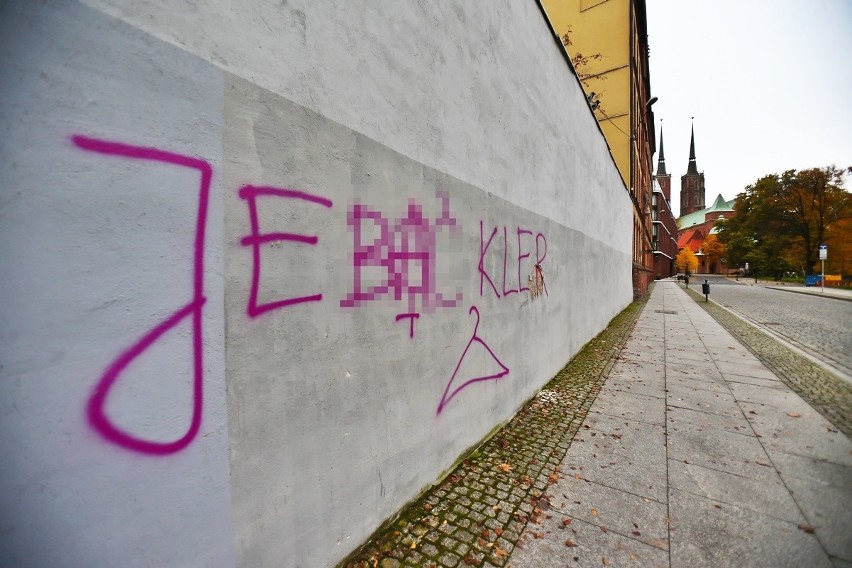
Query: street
(818, 325)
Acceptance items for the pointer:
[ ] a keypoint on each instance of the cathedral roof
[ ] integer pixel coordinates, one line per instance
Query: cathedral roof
(692, 167)
(693, 238)
(719, 207)
(661, 163)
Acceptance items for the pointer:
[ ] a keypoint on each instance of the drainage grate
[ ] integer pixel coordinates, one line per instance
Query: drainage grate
(670, 312)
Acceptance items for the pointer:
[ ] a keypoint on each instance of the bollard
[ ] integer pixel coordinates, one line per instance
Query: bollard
(705, 289)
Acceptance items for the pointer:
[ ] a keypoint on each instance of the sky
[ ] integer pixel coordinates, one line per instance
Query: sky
(769, 83)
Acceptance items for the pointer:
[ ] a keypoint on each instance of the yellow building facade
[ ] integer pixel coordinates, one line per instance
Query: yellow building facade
(607, 43)
(599, 45)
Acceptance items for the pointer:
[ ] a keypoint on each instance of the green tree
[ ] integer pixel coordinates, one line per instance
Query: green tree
(686, 261)
(781, 220)
(814, 200)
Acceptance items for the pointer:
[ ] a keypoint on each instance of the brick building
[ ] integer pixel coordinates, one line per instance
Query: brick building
(664, 226)
(697, 221)
(618, 87)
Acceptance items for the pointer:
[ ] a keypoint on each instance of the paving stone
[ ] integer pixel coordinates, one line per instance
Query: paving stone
(706, 535)
(589, 545)
(626, 375)
(766, 497)
(702, 400)
(827, 393)
(829, 512)
(720, 450)
(731, 423)
(631, 406)
(613, 509)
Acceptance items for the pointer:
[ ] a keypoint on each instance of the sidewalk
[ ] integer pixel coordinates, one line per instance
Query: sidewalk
(664, 442)
(828, 292)
(838, 293)
(695, 454)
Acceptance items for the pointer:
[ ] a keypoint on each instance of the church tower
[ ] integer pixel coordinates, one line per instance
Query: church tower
(664, 179)
(691, 184)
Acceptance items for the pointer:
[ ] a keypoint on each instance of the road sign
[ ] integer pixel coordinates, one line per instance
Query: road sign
(823, 251)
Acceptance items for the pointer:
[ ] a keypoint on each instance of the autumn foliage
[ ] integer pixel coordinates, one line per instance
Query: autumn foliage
(783, 218)
(686, 261)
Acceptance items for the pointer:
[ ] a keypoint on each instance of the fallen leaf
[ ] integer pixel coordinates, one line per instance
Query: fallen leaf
(499, 552)
(498, 531)
(604, 560)
(486, 534)
(794, 415)
(578, 476)
(566, 522)
(636, 533)
(646, 499)
(554, 477)
(807, 528)
(505, 467)
(604, 529)
(413, 545)
(570, 543)
(631, 557)
(717, 506)
(595, 512)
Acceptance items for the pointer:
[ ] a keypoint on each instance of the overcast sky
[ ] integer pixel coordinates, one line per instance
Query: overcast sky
(769, 83)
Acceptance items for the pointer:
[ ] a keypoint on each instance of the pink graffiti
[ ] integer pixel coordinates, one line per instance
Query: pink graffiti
(484, 245)
(97, 417)
(404, 253)
(410, 317)
(448, 396)
(521, 257)
(250, 193)
(483, 273)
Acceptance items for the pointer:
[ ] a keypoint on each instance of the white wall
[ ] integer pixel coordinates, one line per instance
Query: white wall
(319, 418)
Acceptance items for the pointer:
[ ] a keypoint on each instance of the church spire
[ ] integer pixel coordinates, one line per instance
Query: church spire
(661, 163)
(692, 168)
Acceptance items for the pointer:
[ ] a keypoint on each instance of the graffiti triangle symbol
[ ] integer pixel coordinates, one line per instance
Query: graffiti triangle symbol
(450, 392)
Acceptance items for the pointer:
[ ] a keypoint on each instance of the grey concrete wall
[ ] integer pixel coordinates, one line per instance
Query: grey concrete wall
(270, 266)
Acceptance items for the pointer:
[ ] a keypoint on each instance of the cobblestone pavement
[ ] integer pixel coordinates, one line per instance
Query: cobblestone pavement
(826, 393)
(820, 325)
(477, 514)
(482, 511)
